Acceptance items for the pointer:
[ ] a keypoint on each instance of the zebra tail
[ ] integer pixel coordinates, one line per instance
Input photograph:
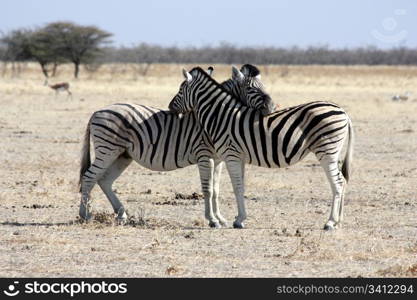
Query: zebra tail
(85, 155)
(346, 167)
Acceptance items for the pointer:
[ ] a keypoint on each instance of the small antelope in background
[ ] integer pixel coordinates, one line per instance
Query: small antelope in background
(61, 87)
(401, 97)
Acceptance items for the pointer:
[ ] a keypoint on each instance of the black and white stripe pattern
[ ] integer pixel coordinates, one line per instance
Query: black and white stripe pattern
(242, 135)
(249, 75)
(156, 139)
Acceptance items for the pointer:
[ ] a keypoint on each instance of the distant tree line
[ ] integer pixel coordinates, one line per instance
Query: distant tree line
(63, 42)
(229, 54)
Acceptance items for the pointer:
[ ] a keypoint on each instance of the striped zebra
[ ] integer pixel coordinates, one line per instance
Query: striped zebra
(156, 139)
(241, 135)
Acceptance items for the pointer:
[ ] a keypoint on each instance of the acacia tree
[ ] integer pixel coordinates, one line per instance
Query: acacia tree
(16, 48)
(78, 44)
(25, 44)
(43, 48)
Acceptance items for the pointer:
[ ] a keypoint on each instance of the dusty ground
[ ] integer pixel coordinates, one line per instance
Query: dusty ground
(40, 137)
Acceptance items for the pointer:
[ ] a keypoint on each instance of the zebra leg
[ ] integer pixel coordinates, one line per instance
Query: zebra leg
(216, 188)
(236, 171)
(206, 168)
(90, 178)
(106, 182)
(337, 183)
(342, 203)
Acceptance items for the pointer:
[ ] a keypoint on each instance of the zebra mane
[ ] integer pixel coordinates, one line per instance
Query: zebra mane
(198, 70)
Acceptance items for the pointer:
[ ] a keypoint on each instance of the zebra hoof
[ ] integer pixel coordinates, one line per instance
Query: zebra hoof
(121, 216)
(85, 210)
(85, 218)
(121, 221)
(85, 215)
(329, 227)
(214, 224)
(238, 225)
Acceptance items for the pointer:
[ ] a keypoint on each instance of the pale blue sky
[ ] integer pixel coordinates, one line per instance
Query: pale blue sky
(353, 23)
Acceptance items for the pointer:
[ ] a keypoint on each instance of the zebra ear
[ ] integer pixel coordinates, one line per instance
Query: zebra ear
(187, 75)
(258, 76)
(210, 70)
(237, 75)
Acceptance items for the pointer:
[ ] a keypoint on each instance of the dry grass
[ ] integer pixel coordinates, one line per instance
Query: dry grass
(166, 234)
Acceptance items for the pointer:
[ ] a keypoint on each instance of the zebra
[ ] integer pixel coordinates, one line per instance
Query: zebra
(156, 139)
(249, 75)
(241, 135)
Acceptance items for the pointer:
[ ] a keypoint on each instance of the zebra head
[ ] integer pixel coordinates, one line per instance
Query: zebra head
(246, 86)
(248, 89)
(182, 102)
(253, 75)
